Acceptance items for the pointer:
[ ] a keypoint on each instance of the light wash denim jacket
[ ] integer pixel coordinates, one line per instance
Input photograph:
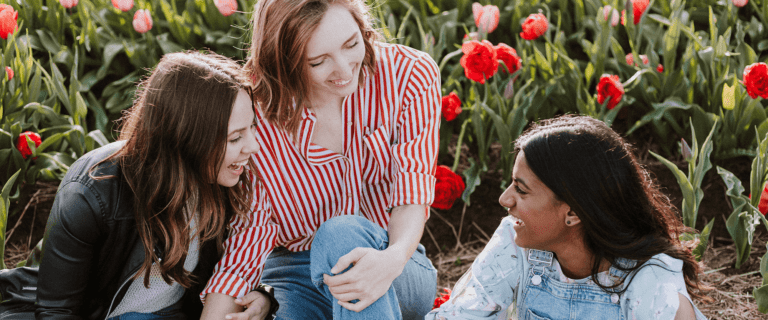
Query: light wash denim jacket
(509, 282)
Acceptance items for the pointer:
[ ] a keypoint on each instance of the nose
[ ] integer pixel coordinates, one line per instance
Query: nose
(344, 67)
(507, 199)
(251, 145)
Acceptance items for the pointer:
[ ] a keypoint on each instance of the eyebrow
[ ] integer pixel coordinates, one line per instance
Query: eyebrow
(520, 181)
(354, 35)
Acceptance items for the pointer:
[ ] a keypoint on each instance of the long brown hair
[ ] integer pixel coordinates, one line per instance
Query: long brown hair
(175, 139)
(624, 214)
(277, 64)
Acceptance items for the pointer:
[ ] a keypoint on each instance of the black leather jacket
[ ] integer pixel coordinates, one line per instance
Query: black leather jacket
(92, 247)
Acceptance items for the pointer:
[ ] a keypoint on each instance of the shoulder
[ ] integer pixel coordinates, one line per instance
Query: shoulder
(403, 59)
(653, 291)
(79, 170)
(501, 252)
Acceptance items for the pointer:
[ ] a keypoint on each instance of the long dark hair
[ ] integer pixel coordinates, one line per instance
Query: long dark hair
(277, 64)
(624, 214)
(175, 138)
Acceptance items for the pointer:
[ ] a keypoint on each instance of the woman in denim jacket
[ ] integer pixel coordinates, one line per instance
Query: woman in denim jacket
(589, 236)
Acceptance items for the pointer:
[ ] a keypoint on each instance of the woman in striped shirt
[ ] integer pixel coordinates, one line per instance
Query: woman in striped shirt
(349, 133)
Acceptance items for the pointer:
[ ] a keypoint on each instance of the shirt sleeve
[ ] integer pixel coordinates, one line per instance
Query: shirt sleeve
(251, 240)
(417, 131)
(488, 288)
(653, 293)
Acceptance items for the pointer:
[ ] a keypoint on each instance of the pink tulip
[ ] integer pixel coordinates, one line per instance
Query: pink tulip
(486, 17)
(614, 15)
(740, 3)
(68, 3)
(123, 5)
(142, 21)
(226, 7)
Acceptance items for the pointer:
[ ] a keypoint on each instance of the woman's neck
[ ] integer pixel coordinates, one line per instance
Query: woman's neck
(576, 260)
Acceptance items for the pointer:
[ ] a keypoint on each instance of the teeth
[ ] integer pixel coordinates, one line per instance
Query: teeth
(237, 165)
(341, 83)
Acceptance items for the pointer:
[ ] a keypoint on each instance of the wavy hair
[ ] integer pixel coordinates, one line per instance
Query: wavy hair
(175, 140)
(277, 63)
(624, 214)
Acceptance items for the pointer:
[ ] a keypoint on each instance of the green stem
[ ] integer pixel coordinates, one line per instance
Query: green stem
(458, 146)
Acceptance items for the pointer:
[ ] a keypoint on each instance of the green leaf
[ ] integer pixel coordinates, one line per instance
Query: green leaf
(4, 207)
(698, 252)
(685, 187)
(761, 298)
(472, 178)
(741, 227)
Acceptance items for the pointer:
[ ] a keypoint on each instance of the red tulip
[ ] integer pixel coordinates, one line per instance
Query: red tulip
(142, 21)
(123, 5)
(9, 72)
(451, 106)
(763, 205)
(23, 147)
(660, 68)
(638, 8)
(534, 26)
(479, 60)
(226, 7)
(756, 80)
(486, 17)
(509, 56)
(8, 18)
(442, 298)
(448, 187)
(68, 3)
(610, 87)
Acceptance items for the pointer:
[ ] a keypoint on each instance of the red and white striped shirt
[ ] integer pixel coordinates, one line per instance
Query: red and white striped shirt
(390, 153)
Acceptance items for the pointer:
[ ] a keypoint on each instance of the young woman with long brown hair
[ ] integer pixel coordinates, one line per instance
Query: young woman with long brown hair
(137, 225)
(589, 236)
(349, 134)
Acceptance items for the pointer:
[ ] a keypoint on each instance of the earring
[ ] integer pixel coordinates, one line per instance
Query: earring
(568, 222)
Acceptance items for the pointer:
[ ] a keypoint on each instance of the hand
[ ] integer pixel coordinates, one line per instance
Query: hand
(369, 278)
(256, 306)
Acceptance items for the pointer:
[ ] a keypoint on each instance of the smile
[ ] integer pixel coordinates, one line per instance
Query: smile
(340, 83)
(238, 165)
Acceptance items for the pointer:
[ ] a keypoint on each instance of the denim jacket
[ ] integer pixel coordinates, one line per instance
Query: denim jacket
(509, 282)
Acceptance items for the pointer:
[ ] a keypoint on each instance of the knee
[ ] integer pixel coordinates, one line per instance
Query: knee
(349, 232)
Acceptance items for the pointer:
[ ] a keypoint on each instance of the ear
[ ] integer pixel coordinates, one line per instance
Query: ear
(571, 219)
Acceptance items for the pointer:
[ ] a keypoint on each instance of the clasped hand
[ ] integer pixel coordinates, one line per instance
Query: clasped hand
(368, 280)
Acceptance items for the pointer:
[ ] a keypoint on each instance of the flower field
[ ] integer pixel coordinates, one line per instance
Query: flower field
(685, 81)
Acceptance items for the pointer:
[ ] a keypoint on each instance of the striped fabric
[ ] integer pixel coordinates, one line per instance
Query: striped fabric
(390, 151)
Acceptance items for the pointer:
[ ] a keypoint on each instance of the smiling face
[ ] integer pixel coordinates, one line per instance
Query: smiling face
(541, 217)
(241, 141)
(335, 55)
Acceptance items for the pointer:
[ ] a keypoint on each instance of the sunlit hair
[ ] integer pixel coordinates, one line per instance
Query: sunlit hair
(277, 63)
(175, 140)
(623, 213)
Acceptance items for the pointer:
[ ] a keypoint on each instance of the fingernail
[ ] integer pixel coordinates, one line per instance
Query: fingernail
(228, 317)
(238, 300)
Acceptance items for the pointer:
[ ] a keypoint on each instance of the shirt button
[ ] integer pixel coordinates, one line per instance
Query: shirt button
(349, 195)
(349, 123)
(536, 280)
(615, 298)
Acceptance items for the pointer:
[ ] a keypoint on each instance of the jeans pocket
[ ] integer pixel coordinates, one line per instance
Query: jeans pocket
(534, 316)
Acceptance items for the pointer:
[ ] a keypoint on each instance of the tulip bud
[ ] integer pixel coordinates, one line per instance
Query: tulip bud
(686, 151)
(68, 3)
(142, 21)
(123, 5)
(509, 90)
(9, 72)
(226, 7)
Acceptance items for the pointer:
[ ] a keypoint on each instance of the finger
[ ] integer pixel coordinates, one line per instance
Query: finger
(356, 307)
(248, 298)
(237, 316)
(349, 296)
(338, 280)
(348, 259)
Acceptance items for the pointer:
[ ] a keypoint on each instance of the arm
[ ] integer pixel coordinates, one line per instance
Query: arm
(250, 242)
(68, 250)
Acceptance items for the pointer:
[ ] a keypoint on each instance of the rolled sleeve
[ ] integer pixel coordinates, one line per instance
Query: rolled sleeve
(418, 124)
(251, 240)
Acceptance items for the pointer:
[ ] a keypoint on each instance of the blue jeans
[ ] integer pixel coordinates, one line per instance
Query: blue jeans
(297, 277)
